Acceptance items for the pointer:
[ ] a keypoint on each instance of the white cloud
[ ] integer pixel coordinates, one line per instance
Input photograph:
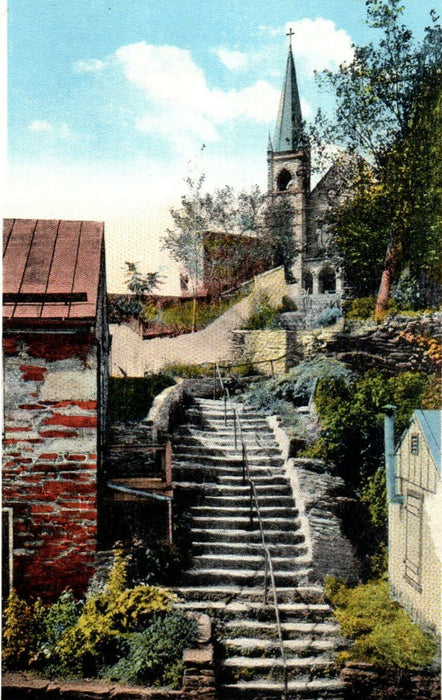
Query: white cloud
(41, 125)
(232, 59)
(181, 106)
(93, 65)
(61, 131)
(319, 44)
(270, 31)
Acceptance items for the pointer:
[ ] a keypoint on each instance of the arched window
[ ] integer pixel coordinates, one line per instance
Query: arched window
(327, 281)
(283, 180)
(307, 282)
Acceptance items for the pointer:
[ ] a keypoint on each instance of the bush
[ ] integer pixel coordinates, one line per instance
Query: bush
(327, 317)
(287, 304)
(361, 308)
(382, 631)
(130, 398)
(21, 632)
(262, 314)
(180, 314)
(154, 656)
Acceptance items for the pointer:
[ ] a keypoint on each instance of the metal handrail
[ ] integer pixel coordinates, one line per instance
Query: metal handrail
(267, 558)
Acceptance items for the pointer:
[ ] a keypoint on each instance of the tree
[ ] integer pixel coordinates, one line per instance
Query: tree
(279, 226)
(185, 240)
(141, 286)
(383, 98)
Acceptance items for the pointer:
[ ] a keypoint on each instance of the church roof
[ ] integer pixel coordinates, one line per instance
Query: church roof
(289, 132)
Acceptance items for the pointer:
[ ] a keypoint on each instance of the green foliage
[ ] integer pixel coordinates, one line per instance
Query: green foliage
(352, 418)
(154, 656)
(327, 317)
(130, 398)
(382, 631)
(360, 308)
(180, 314)
(140, 287)
(60, 616)
(279, 224)
(20, 632)
(262, 314)
(287, 304)
(177, 369)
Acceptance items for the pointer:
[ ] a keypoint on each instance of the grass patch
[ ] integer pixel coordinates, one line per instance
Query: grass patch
(180, 314)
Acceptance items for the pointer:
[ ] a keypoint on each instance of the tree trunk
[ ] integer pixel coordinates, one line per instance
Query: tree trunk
(194, 313)
(390, 264)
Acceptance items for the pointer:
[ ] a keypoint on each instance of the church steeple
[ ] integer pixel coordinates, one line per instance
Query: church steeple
(289, 134)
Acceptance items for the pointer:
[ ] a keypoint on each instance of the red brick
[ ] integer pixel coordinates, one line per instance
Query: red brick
(58, 433)
(92, 456)
(10, 346)
(75, 458)
(85, 405)
(31, 406)
(48, 455)
(72, 421)
(46, 508)
(32, 373)
(56, 347)
(11, 429)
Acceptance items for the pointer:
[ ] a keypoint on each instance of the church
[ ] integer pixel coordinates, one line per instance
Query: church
(289, 170)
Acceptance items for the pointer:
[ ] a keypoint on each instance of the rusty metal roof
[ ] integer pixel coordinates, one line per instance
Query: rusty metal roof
(51, 269)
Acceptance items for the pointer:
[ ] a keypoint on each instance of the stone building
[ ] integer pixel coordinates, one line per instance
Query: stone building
(56, 347)
(414, 556)
(289, 168)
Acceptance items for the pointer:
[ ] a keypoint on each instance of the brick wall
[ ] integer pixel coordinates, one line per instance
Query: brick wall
(50, 460)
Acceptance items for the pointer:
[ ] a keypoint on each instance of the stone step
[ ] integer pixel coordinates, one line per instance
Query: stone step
(187, 447)
(239, 549)
(290, 630)
(240, 489)
(254, 646)
(238, 522)
(317, 689)
(242, 500)
(227, 595)
(246, 577)
(268, 481)
(292, 536)
(223, 461)
(248, 561)
(254, 610)
(226, 511)
(220, 438)
(306, 668)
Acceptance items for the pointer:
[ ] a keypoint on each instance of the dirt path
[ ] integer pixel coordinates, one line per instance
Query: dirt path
(133, 356)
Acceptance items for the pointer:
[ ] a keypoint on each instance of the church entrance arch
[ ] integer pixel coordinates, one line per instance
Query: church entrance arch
(327, 281)
(307, 282)
(283, 180)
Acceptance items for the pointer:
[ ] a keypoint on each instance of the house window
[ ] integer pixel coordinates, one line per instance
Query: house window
(414, 449)
(413, 539)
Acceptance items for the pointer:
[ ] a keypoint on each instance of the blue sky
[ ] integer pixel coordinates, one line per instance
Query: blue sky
(110, 103)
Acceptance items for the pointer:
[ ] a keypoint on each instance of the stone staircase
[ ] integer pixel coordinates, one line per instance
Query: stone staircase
(226, 579)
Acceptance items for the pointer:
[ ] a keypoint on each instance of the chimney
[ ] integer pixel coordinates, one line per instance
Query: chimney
(390, 457)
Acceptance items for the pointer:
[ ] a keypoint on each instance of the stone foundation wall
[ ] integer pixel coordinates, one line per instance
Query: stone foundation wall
(257, 346)
(50, 461)
(364, 681)
(400, 344)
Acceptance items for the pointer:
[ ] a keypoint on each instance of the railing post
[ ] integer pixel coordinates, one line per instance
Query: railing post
(234, 428)
(225, 409)
(168, 461)
(214, 382)
(251, 504)
(243, 463)
(265, 577)
(271, 365)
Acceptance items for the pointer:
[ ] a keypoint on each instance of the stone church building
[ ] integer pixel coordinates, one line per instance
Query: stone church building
(289, 168)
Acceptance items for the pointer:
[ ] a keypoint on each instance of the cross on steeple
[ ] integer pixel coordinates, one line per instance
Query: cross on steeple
(290, 33)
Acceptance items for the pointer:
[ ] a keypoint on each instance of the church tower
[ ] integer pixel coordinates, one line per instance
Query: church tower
(288, 159)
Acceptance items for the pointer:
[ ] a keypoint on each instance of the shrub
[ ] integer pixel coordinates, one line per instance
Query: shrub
(154, 656)
(288, 304)
(21, 632)
(382, 631)
(360, 308)
(177, 369)
(327, 317)
(262, 314)
(130, 398)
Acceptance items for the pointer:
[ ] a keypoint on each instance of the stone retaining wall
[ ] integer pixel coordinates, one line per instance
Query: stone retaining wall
(364, 681)
(400, 344)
